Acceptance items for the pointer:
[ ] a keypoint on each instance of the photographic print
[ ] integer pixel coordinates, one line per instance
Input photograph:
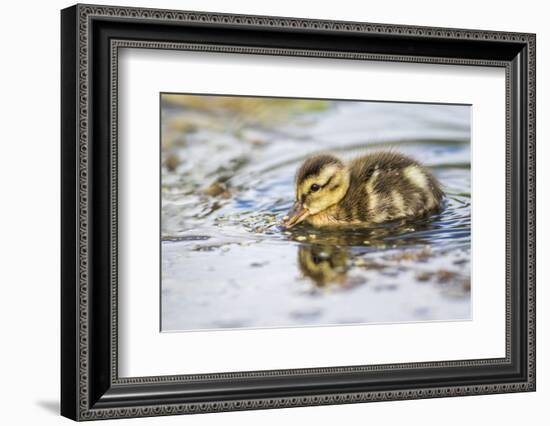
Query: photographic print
(361, 193)
(285, 212)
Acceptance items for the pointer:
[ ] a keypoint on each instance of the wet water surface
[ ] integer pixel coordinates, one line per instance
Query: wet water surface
(227, 181)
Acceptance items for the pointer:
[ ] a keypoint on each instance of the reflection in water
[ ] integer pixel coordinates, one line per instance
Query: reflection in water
(227, 181)
(324, 264)
(327, 265)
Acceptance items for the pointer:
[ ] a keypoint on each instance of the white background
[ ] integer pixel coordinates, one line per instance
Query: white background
(146, 352)
(29, 225)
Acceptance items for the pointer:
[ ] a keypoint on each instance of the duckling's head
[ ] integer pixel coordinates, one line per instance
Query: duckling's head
(321, 182)
(324, 264)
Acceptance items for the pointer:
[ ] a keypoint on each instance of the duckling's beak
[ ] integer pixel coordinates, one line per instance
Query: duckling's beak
(297, 214)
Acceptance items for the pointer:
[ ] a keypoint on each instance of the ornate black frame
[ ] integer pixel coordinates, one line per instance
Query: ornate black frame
(91, 37)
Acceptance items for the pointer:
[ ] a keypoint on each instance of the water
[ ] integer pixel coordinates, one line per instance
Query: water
(227, 181)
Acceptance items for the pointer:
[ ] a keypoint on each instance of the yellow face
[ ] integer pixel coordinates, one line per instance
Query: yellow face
(323, 264)
(318, 192)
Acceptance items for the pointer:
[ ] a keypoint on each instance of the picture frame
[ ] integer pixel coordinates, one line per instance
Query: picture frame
(90, 384)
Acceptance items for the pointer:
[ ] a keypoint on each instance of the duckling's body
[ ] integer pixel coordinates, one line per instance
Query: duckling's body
(369, 190)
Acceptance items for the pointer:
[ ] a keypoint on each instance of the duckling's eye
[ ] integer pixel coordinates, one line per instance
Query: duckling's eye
(315, 187)
(316, 259)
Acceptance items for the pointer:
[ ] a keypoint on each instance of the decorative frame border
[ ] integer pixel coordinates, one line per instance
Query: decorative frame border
(85, 409)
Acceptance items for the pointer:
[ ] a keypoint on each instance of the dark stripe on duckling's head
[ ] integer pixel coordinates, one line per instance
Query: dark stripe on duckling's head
(313, 165)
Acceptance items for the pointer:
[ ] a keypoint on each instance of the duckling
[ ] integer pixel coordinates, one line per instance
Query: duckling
(369, 190)
(324, 264)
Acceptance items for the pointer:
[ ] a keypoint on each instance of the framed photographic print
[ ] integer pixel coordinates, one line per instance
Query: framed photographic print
(263, 212)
